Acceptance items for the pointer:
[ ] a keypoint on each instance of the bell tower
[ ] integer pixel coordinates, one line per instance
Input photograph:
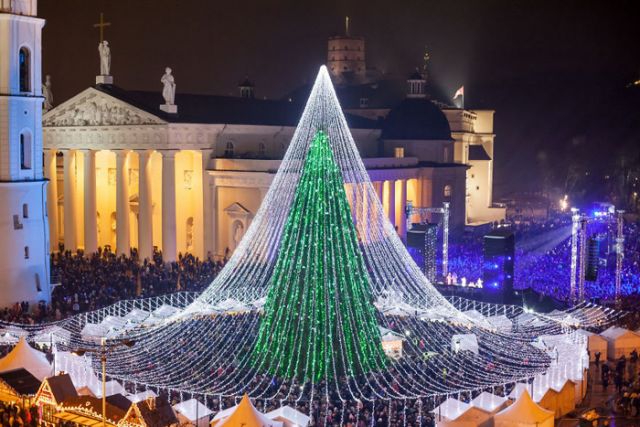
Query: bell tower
(24, 265)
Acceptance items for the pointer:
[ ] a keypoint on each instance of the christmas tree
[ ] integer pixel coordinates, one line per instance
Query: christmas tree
(319, 319)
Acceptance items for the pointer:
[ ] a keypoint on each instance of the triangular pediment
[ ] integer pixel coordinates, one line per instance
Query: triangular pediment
(237, 208)
(92, 107)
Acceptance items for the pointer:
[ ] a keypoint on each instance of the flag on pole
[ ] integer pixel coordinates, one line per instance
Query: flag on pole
(459, 92)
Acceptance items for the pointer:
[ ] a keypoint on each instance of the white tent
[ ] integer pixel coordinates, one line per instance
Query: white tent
(231, 305)
(595, 343)
(193, 413)
(450, 409)
(464, 342)
(391, 342)
(54, 334)
(137, 316)
(243, 413)
(143, 395)
(78, 367)
(289, 417)
(523, 413)
(113, 322)
(489, 402)
(94, 332)
(475, 315)
(472, 417)
(620, 341)
(111, 387)
(165, 311)
(12, 334)
(529, 320)
(23, 356)
(500, 322)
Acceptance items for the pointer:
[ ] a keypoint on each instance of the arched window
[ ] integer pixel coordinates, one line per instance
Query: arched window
(25, 210)
(262, 150)
(25, 70)
(228, 152)
(447, 190)
(25, 150)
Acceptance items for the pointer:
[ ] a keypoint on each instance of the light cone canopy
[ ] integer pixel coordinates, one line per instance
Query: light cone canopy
(292, 317)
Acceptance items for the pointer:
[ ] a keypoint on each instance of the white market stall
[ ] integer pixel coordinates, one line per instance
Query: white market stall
(289, 417)
(464, 342)
(391, 342)
(620, 341)
(489, 402)
(192, 413)
(524, 413)
(450, 409)
(595, 344)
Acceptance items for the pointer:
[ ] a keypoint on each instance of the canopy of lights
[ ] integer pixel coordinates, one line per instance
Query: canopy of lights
(320, 303)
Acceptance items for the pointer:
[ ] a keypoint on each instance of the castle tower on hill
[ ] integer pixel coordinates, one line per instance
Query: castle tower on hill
(346, 57)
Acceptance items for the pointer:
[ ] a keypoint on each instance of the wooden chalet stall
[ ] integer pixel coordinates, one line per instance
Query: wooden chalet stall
(152, 412)
(52, 392)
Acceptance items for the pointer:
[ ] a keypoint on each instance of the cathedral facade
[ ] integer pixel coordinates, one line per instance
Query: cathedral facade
(127, 171)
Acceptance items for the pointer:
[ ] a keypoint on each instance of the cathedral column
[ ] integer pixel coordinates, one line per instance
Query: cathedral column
(391, 202)
(402, 221)
(207, 208)
(123, 243)
(90, 205)
(70, 239)
(51, 173)
(379, 185)
(213, 192)
(145, 210)
(169, 245)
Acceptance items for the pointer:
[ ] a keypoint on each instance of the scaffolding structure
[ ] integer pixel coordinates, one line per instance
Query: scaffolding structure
(422, 213)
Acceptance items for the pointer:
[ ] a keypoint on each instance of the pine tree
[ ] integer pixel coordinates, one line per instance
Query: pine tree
(319, 319)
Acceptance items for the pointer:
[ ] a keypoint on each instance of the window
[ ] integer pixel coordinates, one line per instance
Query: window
(25, 70)
(25, 150)
(446, 154)
(228, 152)
(364, 102)
(262, 150)
(398, 152)
(25, 210)
(447, 191)
(26, 252)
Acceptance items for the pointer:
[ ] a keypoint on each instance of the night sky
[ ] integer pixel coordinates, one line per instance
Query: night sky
(546, 67)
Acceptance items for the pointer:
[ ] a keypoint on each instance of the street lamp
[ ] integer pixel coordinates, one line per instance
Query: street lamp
(104, 349)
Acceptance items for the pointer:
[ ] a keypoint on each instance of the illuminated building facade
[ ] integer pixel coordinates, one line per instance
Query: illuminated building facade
(24, 264)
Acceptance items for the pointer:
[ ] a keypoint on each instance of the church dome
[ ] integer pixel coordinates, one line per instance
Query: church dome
(416, 118)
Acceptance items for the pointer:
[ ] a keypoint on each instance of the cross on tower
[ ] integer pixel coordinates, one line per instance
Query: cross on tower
(101, 25)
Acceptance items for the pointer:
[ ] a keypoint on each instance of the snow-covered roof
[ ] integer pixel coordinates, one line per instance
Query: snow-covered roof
(290, 415)
(23, 356)
(488, 402)
(451, 408)
(190, 409)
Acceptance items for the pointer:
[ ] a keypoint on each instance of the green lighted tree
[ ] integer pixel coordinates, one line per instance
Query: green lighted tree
(319, 320)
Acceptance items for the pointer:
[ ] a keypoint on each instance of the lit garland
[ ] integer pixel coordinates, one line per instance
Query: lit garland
(290, 261)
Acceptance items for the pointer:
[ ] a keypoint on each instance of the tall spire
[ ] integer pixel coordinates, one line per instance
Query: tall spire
(346, 26)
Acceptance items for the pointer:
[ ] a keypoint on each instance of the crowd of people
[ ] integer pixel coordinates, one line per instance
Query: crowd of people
(544, 263)
(85, 282)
